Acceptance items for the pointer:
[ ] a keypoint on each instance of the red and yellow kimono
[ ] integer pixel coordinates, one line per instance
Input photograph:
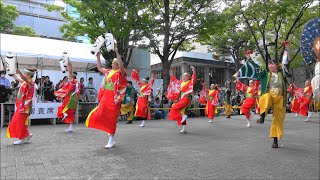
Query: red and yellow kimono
(212, 101)
(294, 105)
(18, 127)
(305, 101)
(179, 108)
(251, 93)
(142, 107)
(104, 117)
(70, 92)
(203, 95)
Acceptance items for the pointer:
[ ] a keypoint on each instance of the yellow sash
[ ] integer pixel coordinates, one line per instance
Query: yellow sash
(141, 89)
(109, 84)
(110, 74)
(249, 95)
(183, 84)
(210, 92)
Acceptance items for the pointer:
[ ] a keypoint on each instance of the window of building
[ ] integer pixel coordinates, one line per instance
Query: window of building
(200, 77)
(216, 76)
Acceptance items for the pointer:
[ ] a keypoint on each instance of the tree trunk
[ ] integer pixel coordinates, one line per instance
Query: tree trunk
(165, 74)
(126, 56)
(166, 49)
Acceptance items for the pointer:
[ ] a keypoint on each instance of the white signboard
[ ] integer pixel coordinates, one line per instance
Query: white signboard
(44, 110)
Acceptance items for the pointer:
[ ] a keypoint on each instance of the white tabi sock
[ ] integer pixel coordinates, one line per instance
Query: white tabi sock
(142, 123)
(248, 123)
(184, 117)
(183, 130)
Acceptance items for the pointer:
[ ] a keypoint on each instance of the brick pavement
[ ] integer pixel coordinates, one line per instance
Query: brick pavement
(226, 149)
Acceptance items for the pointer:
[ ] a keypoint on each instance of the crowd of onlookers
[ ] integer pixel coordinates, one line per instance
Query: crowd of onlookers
(45, 89)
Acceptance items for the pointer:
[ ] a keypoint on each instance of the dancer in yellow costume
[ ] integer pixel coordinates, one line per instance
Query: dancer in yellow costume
(275, 97)
(227, 103)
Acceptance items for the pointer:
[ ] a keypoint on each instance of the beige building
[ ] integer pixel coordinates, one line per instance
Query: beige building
(208, 70)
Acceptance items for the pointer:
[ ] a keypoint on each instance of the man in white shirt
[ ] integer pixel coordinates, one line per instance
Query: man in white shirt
(90, 92)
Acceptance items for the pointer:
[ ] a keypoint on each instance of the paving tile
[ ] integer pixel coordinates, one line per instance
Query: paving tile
(225, 149)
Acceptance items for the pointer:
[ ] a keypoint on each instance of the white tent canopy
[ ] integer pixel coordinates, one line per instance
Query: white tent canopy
(42, 53)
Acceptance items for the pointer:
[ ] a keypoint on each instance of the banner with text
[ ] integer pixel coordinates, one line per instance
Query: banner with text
(44, 110)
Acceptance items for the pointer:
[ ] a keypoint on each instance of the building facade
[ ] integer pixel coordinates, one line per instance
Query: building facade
(140, 60)
(34, 14)
(208, 71)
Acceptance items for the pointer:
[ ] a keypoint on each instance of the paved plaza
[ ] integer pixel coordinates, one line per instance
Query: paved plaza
(226, 149)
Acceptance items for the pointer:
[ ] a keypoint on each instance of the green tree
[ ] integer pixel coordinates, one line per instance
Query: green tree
(24, 31)
(226, 36)
(8, 14)
(275, 22)
(170, 26)
(98, 17)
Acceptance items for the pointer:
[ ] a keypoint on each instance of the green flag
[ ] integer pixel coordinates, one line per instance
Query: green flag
(254, 69)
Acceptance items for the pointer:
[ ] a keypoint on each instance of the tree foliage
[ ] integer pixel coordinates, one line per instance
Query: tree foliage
(266, 23)
(8, 14)
(98, 17)
(24, 31)
(227, 37)
(277, 21)
(170, 26)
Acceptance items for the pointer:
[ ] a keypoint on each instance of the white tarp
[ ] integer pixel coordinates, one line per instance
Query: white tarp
(33, 51)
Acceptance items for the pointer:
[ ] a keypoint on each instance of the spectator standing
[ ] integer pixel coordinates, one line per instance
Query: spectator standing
(4, 88)
(3, 80)
(48, 89)
(90, 92)
(81, 89)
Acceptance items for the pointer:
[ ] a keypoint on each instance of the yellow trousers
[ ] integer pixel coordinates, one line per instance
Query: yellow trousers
(127, 108)
(227, 109)
(267, 101)
(316, 105)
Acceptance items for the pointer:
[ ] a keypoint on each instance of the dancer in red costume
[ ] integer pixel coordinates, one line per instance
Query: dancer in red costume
(70, 92)
(306, 100)
(212, 101)
(142, 106)
(251, 94)
(104, 117)
(178, 108)
(18, 127)
(294, 105)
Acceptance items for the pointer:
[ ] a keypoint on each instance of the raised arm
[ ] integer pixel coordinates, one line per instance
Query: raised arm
(24, 78)
(295, 86)
(99, 64)
(172, 76)
(120, 63)
(240, 86)
(193, 77)
(17, 78)
(152, 78)
(135, 77)
(69, 67)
